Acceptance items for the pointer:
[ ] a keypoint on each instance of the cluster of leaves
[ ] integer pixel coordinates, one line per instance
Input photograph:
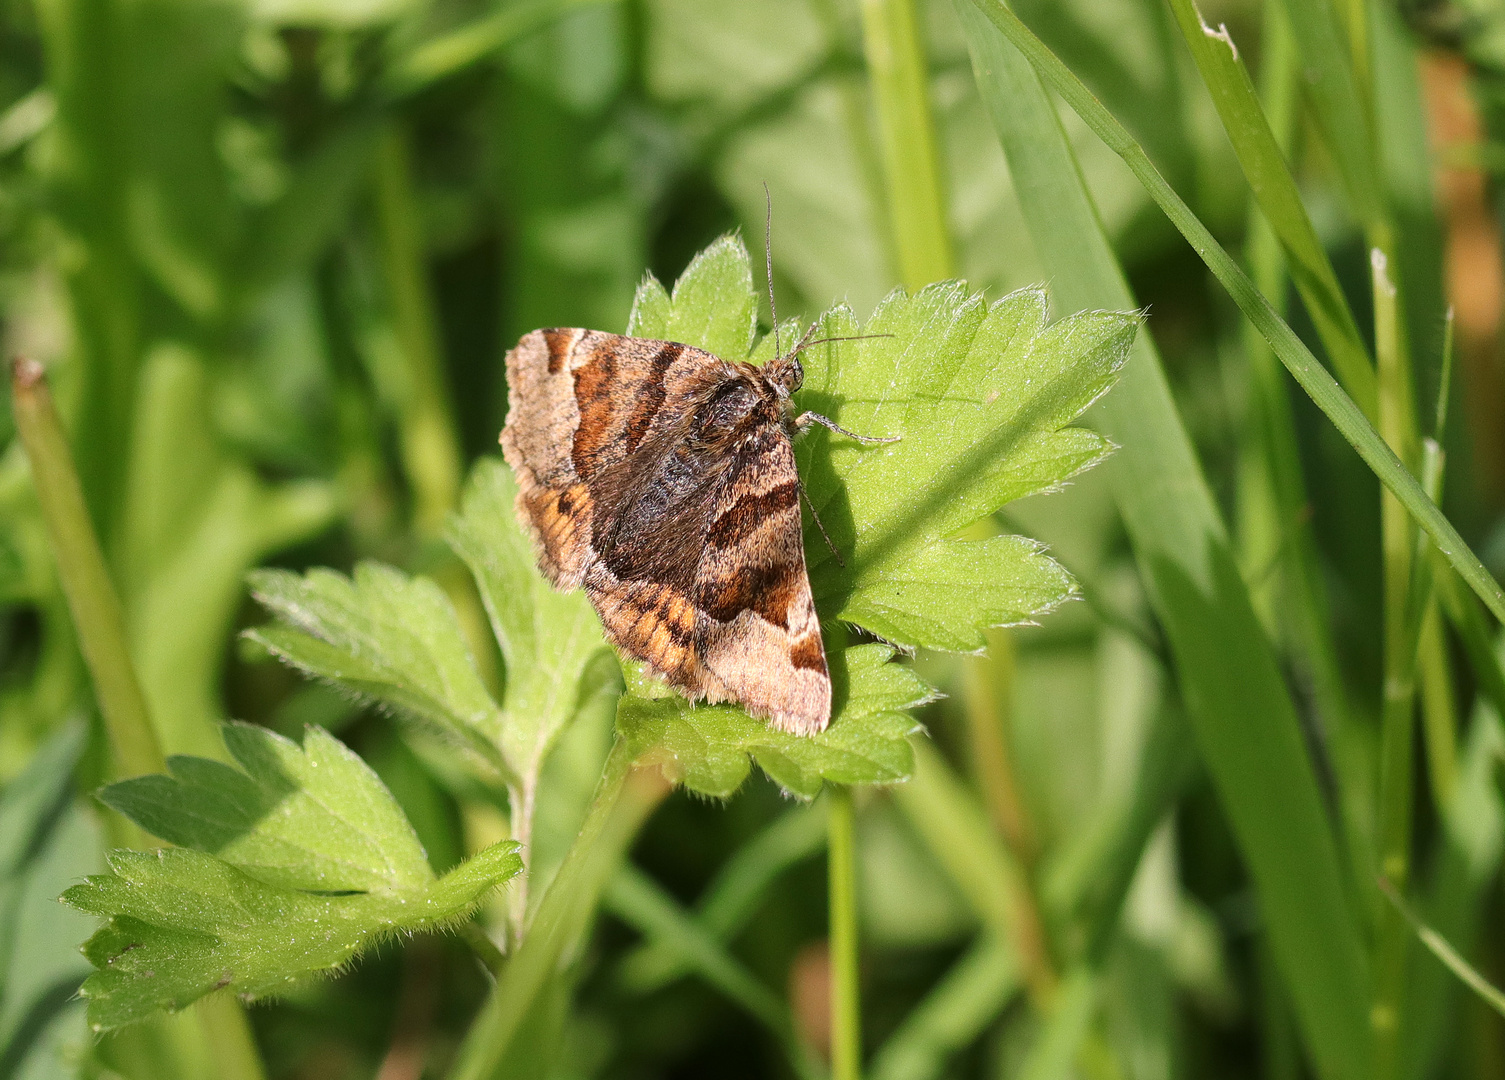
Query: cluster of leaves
(309, 843)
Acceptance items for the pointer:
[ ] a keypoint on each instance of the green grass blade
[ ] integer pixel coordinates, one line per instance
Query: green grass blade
(642, 903)
(1244, 720)
(1334, 94)
(1298, 359)
(736, 891)
(1439, 947)
(460, 49)
(900, 80)
(1265, 168)
(952, 1016)
(1053, 1057)
(92, 600)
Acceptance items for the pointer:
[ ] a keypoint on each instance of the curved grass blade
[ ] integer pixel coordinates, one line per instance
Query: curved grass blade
(1275, 189)
(1298, 359)
(1242, 714)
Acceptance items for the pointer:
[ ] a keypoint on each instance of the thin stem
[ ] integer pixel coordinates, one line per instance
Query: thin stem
(1397, 722)
(987, 709)
(100, 625)
(430, 451)
(642, 903)
(97, 616)
(846, 1013)
(900, 80)
(624, 798)
(227, 1030)
(1275, 511)
(1441, 948)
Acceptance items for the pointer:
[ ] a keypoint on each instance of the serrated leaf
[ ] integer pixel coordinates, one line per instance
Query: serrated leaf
(387, 637)
(290, 868)
(314, 817)
(713, 306)
(548, 638)
(711, 748)
(183, 924)
(979, 395)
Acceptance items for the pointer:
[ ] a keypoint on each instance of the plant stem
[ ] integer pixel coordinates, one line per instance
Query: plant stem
(846, 1013)
(227, 1031)
(100, 625)
(1296, 612)
(900, 79)
(987, 707)
(97, 616)
(430, 452)
(624, 798)
(1397, 727)
(988, 711)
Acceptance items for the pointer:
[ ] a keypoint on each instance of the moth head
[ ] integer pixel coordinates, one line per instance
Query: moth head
(785, 374)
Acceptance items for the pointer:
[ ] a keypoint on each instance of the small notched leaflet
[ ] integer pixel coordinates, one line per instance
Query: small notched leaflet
(662, 479)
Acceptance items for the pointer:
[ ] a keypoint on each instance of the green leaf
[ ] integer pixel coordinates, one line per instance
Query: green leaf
(47, 841)
(713, 307)
(548, 638)
(710, 749)
(979, 395)
(1293, 353)
(386, 637)
(314, 817)
(294, 866)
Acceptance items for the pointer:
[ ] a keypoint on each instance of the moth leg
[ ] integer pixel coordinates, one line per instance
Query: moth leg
(805, 419)
(822, 527)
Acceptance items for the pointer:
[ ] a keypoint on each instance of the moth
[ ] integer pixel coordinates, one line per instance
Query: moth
(661, 479)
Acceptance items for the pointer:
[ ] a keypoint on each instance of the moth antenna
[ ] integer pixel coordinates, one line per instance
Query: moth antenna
(805, 344)
(773, 311)
(821, 526)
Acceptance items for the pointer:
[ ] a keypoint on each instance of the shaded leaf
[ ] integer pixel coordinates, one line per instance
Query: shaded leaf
(294, 866)
(314, 817)
(980, 396)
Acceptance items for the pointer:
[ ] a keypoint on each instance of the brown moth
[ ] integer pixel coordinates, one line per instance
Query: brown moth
(661, 478)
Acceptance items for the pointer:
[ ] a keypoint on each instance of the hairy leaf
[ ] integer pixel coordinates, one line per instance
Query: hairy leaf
(980, 396)
(290, 868)
(710, 748)
(386, 637)
(314, 817)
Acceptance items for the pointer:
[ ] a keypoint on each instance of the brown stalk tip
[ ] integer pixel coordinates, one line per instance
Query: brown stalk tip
(25, 373)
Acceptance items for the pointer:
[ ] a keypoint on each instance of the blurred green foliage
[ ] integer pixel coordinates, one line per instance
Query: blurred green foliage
(272, 252)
